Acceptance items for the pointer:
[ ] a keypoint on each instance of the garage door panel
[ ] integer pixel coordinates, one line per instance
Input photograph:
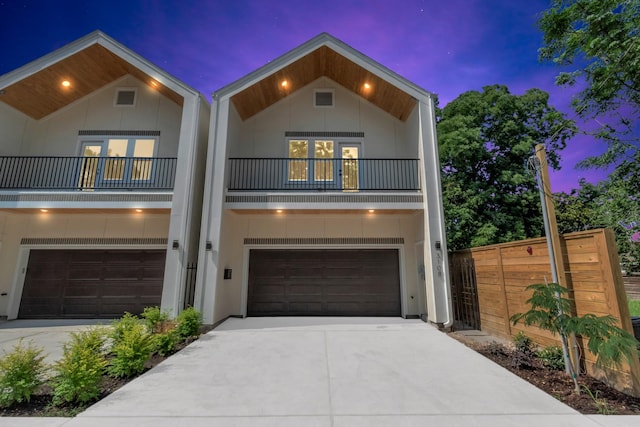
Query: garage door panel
(361, 282)
(92, 283)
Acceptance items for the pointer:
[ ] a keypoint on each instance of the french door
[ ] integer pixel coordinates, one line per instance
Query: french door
(116, 162)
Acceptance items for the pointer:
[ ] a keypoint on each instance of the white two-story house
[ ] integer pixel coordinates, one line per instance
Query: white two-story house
(322, 194)
(102, 159)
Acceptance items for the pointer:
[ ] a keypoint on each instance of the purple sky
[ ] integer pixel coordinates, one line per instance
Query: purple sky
(447, 47)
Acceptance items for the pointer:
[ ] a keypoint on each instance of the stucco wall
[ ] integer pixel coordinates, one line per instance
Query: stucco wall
(263, 134)
(15, 226)
(236, 227)
(57, 134)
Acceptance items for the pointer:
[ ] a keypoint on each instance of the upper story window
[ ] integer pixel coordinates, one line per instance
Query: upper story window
(111, 159)
(309, 157)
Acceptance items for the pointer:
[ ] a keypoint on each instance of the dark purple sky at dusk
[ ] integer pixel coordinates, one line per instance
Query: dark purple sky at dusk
(447, 47)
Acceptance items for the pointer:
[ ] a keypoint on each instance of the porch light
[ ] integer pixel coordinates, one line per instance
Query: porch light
(372, 210)
(367, 86)
(66, 83)
(279, 210)
(154, 83)
(139, 210)
(284, 83)
(44, 210)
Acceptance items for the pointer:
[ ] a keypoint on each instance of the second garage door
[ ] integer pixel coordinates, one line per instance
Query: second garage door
(300, 282)
(91, 283)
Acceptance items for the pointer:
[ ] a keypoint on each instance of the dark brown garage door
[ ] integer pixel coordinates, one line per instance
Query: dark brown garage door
(363, 282)
(91, 283)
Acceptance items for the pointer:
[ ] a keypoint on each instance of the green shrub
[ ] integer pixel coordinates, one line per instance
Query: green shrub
(165, 343)
(131, 349)
(156, 320)
(522, 342)
(552, 357)
(120, 326)
(79, 372)
(21, 372)
(189, 323)
(522, 356)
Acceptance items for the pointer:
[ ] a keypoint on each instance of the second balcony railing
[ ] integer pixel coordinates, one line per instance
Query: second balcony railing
(87, 173)
(293, 174)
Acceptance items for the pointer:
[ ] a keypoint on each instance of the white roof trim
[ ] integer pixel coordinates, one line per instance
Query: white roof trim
(323, 39)
(98, 37)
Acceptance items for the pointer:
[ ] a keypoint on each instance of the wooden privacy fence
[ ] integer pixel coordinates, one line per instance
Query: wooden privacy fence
(592, 272)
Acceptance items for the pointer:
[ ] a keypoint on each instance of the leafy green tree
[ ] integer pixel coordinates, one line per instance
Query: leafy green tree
(485, 139)
(612, 203)
(598, 42)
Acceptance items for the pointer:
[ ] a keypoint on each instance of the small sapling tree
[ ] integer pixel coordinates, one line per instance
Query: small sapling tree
(551, 311)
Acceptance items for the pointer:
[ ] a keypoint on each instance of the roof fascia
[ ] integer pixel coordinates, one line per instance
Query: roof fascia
(323, 39)
(98, 37)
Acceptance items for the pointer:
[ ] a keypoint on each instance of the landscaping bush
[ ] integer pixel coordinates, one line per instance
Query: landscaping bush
(165, 343)
(156, 320)
(552, 357)
(79, 372)
(523, 356)
(188, 323)
(21, 372)
(132, 347)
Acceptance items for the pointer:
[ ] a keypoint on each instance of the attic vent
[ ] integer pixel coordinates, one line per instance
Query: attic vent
(125, 97)
(323, 98)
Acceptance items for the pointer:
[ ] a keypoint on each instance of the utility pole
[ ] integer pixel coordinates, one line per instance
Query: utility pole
(555, 254)
(569, 349)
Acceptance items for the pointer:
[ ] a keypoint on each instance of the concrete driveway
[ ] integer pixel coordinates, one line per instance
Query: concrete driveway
(47, 334)
(328, 372)
(322, 372)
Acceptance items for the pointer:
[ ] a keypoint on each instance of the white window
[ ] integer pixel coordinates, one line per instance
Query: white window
(117, 159)
(309, 158)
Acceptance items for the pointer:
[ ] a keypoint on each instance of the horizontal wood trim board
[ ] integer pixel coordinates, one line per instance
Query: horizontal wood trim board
(119, 133)
(91, 241)
(324, 241)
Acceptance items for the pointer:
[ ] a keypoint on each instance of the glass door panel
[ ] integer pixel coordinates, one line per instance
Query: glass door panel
(323, 163)
(350, 167)
(142, 168)
(89, 167)
(114, 168)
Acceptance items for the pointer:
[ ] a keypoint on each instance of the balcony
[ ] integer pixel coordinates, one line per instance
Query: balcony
(38, 173)
(323, 175)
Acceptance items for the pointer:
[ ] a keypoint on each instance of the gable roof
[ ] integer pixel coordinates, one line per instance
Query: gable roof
(324, 55)
(88, 64)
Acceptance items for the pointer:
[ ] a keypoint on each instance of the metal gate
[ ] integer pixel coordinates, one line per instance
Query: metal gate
(190, 284)
(464, 292)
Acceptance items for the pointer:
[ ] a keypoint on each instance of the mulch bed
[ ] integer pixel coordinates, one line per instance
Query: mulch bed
(603, 399)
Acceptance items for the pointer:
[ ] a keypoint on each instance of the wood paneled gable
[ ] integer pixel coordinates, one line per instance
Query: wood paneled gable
(41, 93)
(323, 61)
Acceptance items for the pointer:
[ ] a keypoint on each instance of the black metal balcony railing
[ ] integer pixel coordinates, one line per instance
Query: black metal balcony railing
(283, 174)
(87, 173)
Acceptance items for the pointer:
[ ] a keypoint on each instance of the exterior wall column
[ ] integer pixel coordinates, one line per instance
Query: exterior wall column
(438, 292)
(207, 275)
(181, 205)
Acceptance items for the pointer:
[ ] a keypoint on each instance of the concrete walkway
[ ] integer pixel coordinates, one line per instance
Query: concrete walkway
(325, 372)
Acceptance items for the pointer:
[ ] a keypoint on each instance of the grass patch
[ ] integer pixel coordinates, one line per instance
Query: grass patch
(634, 307)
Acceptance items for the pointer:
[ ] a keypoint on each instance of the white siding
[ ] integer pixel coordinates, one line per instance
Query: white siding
(236, 227)
(57, 134)
(15, 227)
(263, 134)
